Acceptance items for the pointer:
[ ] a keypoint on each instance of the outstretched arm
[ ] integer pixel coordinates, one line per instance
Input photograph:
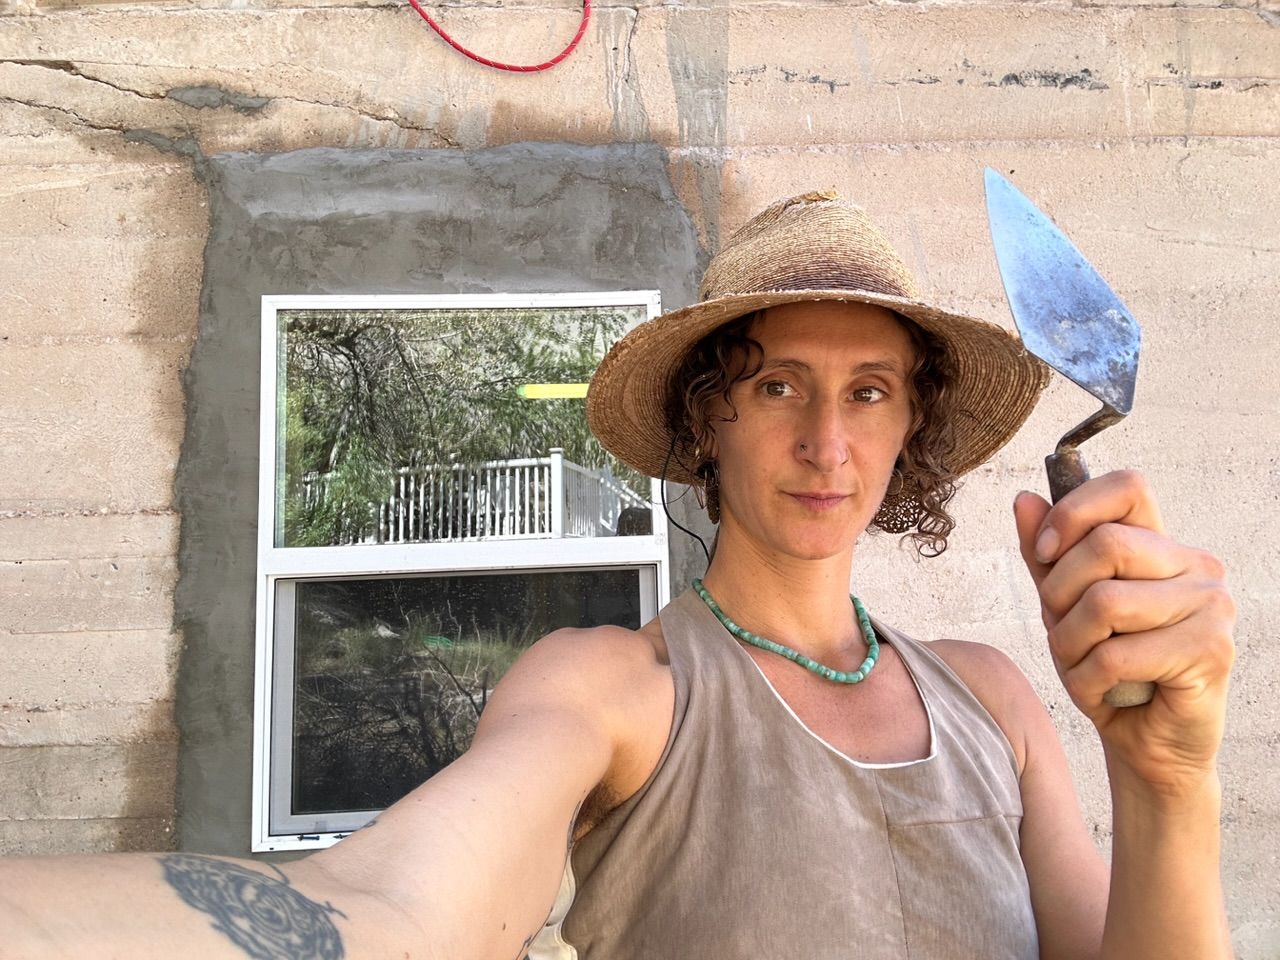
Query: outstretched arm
(466, 866)
(1122, 601)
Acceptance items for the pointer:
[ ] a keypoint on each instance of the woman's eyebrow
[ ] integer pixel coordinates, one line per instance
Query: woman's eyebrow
(885, 365)
(788, 363)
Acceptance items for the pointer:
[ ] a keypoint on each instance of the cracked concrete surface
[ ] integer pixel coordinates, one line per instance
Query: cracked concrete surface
(635, 79)
(172, 112)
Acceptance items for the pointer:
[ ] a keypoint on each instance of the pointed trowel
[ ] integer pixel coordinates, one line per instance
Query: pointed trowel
(1070, 319)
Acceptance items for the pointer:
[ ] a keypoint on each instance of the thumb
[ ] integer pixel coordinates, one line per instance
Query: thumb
(1029, 511)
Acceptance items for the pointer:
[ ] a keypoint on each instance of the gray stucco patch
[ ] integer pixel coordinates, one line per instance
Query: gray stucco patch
(519, 219)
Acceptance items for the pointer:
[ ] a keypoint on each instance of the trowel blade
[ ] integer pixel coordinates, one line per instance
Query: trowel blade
(1065, 312)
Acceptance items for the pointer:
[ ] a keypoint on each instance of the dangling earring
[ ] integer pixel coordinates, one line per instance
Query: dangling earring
(901, 509)
(710, 474)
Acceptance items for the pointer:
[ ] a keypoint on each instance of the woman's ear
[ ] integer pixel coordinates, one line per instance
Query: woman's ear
(713, 448)
(706, 450)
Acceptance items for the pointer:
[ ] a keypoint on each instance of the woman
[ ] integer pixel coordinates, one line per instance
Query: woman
(764, 769)
(922, 806)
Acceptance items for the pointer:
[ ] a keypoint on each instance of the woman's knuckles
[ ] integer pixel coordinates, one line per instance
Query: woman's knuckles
(1122, 495)
(1128, 606)
(1108, 604)
(1121, 551)
(1105, 607)
(1219, 603)
(1216, 648)
(1112, 546)
(1134, 485)
(1208, 565)
(1111, 661)
(1111, 552)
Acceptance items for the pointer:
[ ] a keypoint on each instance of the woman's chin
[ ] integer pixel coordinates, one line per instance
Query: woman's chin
(818, 547)
(801, 541)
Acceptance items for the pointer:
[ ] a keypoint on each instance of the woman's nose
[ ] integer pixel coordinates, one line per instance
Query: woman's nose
(822, 440)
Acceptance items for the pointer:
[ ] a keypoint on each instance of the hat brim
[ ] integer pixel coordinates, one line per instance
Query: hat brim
(995, 387)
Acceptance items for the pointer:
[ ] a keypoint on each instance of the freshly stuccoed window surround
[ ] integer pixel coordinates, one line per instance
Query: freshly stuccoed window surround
(425, 512)
(520, 219)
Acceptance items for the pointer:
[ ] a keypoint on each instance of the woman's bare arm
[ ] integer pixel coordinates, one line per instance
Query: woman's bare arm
(468, 865)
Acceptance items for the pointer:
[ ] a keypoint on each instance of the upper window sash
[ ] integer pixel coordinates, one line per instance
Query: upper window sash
(435, 554)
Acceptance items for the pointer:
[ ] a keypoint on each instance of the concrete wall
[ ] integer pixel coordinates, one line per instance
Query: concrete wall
(1148, 130)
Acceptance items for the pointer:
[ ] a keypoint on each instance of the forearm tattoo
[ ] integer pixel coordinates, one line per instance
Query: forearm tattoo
(263, 916)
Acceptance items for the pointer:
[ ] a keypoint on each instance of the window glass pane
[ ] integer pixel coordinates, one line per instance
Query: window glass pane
(391, 674)
(431, 425)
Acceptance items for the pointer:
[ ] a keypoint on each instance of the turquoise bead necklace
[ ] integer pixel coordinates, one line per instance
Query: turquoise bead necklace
(795, 656)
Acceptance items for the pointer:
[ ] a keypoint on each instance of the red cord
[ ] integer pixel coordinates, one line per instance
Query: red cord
(582, 28)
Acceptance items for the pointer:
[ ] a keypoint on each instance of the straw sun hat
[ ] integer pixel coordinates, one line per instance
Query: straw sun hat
(816, 246)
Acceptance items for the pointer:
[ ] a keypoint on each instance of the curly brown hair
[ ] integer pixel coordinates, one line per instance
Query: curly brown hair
(917, 507)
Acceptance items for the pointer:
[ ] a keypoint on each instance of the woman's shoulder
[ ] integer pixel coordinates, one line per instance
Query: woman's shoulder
(602, 672)
(622, 673)
(976, 663)
(627, 676)
(608, 651)
(998, 684)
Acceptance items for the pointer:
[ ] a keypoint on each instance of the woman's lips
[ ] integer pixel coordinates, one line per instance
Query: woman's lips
(820, 501)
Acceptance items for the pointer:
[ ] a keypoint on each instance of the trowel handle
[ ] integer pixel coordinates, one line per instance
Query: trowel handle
(1067, 471)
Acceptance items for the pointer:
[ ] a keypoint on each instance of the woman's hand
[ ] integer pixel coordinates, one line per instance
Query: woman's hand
(1123, 601)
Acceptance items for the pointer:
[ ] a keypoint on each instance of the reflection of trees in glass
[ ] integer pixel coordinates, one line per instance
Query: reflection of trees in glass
(384, 711)
(370, 391)
(391, 674)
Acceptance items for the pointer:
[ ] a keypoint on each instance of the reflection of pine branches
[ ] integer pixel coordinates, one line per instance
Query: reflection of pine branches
(364, 739)
(476, 705)
(368, 741)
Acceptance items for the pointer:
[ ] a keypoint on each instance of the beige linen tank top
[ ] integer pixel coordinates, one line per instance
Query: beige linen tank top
(755, 838)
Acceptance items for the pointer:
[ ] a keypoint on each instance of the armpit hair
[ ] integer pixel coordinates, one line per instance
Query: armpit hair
(600, 802)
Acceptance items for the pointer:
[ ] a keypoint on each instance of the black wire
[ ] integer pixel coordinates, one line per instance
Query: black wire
(662, 480)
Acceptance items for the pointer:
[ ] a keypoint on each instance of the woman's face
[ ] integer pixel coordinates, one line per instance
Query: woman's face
(805, 465)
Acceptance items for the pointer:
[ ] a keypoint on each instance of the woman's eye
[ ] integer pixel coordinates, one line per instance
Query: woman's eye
(776, 388)
(868, 394)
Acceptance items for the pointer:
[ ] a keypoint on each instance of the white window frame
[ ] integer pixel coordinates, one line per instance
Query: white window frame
(274, 564)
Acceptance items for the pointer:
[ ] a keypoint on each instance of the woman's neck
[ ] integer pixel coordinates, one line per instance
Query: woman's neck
(803, 604)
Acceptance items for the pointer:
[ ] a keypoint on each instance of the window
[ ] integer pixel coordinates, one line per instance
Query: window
(431, 502)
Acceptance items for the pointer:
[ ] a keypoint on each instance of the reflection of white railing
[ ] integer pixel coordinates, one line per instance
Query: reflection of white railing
(508, 499)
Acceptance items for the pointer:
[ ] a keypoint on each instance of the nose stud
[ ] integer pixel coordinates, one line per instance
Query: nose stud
(804, 447)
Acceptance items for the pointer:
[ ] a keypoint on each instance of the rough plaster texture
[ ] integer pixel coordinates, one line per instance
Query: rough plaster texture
(517, 219)
(1147, 127)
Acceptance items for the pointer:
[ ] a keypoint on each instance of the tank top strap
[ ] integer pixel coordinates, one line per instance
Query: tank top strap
(956, 714)
(695, 638)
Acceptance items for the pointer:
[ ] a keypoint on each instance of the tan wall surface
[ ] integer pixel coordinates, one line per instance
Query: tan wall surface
(1149, 130)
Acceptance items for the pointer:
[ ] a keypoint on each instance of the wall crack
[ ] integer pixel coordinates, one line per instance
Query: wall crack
(203, 97)
(70, 68)
(83, 121)
(1237, 84)
(392, 117)
(630, 121)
